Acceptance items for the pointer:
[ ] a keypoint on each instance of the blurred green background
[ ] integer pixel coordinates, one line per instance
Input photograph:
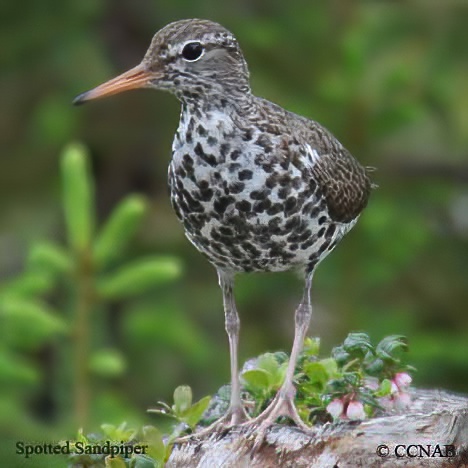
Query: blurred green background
(388, 78)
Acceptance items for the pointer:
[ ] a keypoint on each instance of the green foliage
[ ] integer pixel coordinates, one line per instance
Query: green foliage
(148, 439)
(83, 277)
(343, 377)
(183, 410)
(119, 229)
(346, 374)
(137, 277)
(78, 197)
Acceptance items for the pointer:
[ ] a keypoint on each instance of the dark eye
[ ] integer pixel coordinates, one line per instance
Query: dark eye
(192, 51)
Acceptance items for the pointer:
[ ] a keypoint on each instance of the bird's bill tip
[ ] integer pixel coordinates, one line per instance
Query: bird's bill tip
(137, 77)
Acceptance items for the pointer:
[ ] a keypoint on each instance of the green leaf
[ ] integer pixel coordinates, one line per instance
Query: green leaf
(330, 366)
(115, 462)
(357, 344)
(138, 277)
(156, 448)
(28, 284)
(121, 225)
(107, 363)
(256, 380)
(311, 346)
(144, 461)
(78, 197)
(391, 347)
(46, 256)
(193, 414)
(385, 388)
(28, 323)
(317, 374)
(268, 363)
(14, 370)
(375, 366)
(182, 399)
(121, 432)
(340, 355)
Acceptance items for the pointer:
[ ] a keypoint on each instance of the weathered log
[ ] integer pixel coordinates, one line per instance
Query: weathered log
(433, 432)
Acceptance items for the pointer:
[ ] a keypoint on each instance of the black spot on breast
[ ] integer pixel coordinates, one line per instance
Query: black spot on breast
(244, 206)
(247, 135)
(290, 206)
(226, 231)
(236, 187)
(274, 225)
(285, 164)
(199, 150)
(259, 194)
(315, 211)
(208, 158)
(264, 142)
(271, 181)
(330, 231)
(220, 205)
(235, 155)
(206, 195)
(275, 209)
(245, 174)
(292, 223)
(212, 141)
(224, 149)
(283, 192)
(192, 204)
(296, 182)
(180, 172)
(201, 131)
(284, 180)
(261, 206)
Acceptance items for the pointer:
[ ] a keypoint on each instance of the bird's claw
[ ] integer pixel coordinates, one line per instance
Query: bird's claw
(233, 417)
(279, 407)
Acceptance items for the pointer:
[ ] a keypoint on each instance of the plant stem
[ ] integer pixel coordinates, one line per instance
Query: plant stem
(84, 304)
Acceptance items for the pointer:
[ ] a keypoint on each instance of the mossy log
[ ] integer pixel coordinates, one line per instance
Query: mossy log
(433, 432)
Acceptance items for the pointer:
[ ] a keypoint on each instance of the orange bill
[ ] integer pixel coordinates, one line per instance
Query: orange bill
(137, 77)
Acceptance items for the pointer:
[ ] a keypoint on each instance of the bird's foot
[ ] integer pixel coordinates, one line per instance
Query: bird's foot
(233, 417)
(281, 406)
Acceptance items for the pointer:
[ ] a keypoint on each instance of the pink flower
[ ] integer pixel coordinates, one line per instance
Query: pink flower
(402, 380)
(339, 409)
(355, 410)
(399, 398)
(335, 408)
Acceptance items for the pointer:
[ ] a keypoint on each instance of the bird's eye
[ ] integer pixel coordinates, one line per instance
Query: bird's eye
(192, 51)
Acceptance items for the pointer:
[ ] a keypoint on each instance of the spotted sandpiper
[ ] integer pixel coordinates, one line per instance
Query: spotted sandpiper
(257, 188)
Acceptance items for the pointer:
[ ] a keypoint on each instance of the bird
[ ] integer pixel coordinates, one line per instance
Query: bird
(257, 188)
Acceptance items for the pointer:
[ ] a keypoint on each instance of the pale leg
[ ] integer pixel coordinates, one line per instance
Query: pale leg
(232, 322)
(283, 403)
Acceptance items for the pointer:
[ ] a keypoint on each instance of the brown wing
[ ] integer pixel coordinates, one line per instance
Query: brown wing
(344, 183)
(342, 179)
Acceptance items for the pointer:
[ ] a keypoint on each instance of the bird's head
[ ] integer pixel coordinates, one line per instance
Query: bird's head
(190, 58)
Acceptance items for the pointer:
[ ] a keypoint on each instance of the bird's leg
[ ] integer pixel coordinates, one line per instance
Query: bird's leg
(236, 411)
(283, 403)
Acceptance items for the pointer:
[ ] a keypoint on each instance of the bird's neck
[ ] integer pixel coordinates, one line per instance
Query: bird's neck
(237, 101)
